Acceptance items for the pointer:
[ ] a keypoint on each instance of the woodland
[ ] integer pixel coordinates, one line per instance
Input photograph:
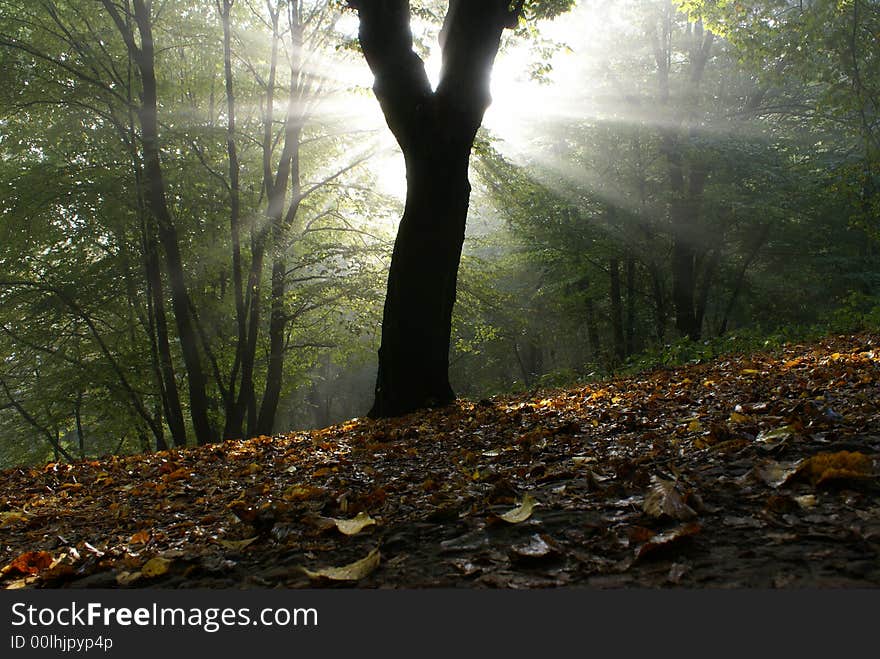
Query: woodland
(408, 293)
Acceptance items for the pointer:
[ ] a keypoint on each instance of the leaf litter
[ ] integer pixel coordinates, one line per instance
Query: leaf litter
(756, 471)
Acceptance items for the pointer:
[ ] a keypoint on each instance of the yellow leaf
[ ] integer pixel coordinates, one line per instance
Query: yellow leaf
(806, 501)
(236, 545)
(750, 371)
(522, 512)
(354, 526)
(695, 426)
(11, 517)
(351, 572)
(155, 567)
(252, 468)
(736, 417)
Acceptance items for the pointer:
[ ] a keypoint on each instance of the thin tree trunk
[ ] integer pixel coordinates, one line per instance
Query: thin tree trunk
(275, 184)
(593, 330)
(277, 314)
(616, 308)
(760, 239)
(157, 207)
(630, 325)
(233, 422)
(80, 435)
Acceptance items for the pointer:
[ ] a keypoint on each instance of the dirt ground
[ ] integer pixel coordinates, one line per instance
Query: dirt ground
(758, 471)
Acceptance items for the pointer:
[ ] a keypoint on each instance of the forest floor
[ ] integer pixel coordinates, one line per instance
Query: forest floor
(747, 471)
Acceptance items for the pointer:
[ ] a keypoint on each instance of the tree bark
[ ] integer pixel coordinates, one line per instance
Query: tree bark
(616, 309)
(157, 207)
(435, 130)
(233, 419)
(278, 321)
(593, 331)
(630, 323)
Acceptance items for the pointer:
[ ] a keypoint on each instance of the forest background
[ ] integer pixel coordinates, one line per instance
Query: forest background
(199, 201)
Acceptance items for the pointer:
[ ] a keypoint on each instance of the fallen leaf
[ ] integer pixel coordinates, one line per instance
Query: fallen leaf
(536, 547)
(351, 572)
(664, 499)
(302, 493)
(127, 578)
(177, 475)
(522, 512)
(807, 501)
(773, 437)
(155, 567)
(825, 467)
(139, 538)
(29, 563)
(237, 545)
(353, 526)
(736, 417)
(12, 517)
(665, 540)
(775, 474)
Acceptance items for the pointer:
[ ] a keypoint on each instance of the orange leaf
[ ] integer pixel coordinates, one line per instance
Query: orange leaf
(177, 474)
(140, 538)
(30, 563)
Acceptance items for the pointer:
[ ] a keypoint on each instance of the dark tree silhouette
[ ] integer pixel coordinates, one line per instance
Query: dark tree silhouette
(435, 129)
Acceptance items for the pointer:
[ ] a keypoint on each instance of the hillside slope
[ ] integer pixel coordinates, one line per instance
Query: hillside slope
(756, 471)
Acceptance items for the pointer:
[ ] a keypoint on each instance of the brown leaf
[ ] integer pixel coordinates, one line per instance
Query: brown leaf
(664, 499)
(303, 493)
(825, 467)
(667, 539)
(775, 474)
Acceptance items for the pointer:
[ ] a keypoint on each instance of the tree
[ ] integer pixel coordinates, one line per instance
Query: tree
(435, 129)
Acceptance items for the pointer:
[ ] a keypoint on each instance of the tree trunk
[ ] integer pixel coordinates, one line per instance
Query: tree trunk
(593, 331)
(616, 309)
(630, 325)
(233, 420)
(417, 321)
(157, 207)
(278, 321)
(159, 322)
(80, 434)
(435, 130)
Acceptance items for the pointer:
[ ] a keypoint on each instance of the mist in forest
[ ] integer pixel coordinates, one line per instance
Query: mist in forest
(200, 202)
